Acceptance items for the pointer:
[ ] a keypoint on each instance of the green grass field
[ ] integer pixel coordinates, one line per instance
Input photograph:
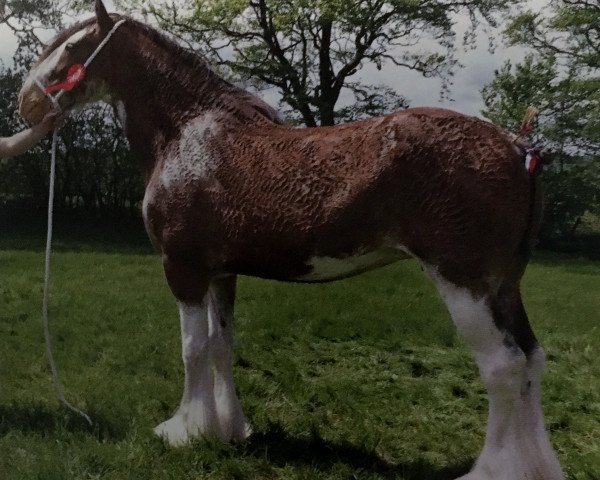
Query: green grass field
(361, 379)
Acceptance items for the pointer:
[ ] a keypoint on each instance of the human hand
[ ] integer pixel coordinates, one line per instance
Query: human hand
(53, 120)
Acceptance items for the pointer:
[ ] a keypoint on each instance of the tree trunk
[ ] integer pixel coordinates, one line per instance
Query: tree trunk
(574, 228)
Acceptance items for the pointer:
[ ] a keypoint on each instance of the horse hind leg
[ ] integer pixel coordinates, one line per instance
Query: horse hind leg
(510, 362)
(509, 314)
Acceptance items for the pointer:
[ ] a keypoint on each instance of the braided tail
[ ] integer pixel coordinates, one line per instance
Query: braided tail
(534, 159)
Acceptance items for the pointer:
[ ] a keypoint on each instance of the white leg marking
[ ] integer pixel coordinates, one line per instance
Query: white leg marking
(197, 414)
(517, 446)
(542, 459)
(210, 406)
(229, 410)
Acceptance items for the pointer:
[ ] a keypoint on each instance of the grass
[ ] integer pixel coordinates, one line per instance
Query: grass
(361, 379)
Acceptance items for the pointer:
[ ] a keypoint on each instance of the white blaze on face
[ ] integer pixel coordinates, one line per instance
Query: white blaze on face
(192, 160)
(33, 103)
(43, 71)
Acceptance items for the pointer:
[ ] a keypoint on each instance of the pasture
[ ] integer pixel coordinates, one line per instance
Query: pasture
(360, 379)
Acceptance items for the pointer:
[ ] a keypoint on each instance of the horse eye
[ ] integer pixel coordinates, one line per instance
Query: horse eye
(69, 46)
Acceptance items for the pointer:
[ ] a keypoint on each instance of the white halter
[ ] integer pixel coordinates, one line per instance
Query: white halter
(54, 99)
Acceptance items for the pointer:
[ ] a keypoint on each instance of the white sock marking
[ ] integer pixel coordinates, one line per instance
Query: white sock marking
(197, 414)
(517, 446)
(210, 406)
(231, 418)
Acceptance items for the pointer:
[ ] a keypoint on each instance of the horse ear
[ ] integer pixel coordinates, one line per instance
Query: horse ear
(102, 16)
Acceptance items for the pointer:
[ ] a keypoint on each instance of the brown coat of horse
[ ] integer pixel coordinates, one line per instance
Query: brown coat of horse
(231, 190)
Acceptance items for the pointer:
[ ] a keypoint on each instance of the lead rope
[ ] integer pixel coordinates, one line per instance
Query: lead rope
(53, 368)
(58, 388)
(45, 317)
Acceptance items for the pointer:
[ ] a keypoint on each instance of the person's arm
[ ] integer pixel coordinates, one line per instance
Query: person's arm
(23, 141)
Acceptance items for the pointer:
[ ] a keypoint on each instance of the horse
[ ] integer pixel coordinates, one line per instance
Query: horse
(230, 190)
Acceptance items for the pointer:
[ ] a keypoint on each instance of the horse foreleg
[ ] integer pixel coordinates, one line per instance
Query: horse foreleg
(232, 422)
(209, 406)
(197, 413)
(517, 446)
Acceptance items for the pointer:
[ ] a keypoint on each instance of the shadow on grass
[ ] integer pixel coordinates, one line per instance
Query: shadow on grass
(28, 418)
(279, 448)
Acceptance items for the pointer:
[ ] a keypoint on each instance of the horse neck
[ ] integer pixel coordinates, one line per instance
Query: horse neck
(160, 92)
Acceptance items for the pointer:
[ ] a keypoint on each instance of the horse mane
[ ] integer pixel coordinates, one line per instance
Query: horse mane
(189, 58)
(249, 104)
(245, 103)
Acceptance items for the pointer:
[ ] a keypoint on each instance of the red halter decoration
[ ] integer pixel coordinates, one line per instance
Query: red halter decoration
(75, 76)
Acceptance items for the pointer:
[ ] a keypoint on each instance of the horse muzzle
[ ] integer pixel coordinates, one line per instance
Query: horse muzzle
(34, 105)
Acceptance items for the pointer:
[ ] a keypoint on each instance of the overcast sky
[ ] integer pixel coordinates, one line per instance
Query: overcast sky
(479, 66)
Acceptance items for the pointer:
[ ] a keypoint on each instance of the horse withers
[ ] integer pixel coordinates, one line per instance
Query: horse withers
(232, 190)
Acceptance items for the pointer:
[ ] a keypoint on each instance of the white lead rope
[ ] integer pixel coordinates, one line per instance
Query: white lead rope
(55, 379)
(58, 388)
(45, 318)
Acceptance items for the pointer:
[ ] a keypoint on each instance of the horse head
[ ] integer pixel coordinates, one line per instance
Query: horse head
(72, 47)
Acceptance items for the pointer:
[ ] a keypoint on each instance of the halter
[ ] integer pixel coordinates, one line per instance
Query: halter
(75, 76)
(76, 73)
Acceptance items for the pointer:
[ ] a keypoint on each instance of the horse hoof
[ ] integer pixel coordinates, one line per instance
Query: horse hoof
(177, 432)
(173, 431)
(479, 474)
(246, 433)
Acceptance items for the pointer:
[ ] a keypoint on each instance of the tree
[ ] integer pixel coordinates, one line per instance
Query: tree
(568, 38)
(26, 19)
(562, 79)
(312, 50)
(95, 171)
(572, 182)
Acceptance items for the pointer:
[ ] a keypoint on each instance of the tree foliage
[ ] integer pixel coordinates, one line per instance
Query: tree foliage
(28, 19)
(569, 40)
(311, 51)
(95, 171)
(562, 78)
(96, 174)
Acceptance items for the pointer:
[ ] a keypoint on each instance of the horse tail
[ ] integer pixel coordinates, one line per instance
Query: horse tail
(536, 208)
(534, 157)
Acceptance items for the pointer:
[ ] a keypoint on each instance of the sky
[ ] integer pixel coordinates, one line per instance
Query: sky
(465, 93)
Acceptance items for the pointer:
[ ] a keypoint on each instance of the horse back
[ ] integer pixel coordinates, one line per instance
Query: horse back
(429, 181)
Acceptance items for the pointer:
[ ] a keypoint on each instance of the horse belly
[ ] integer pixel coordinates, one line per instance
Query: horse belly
(326, 269)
